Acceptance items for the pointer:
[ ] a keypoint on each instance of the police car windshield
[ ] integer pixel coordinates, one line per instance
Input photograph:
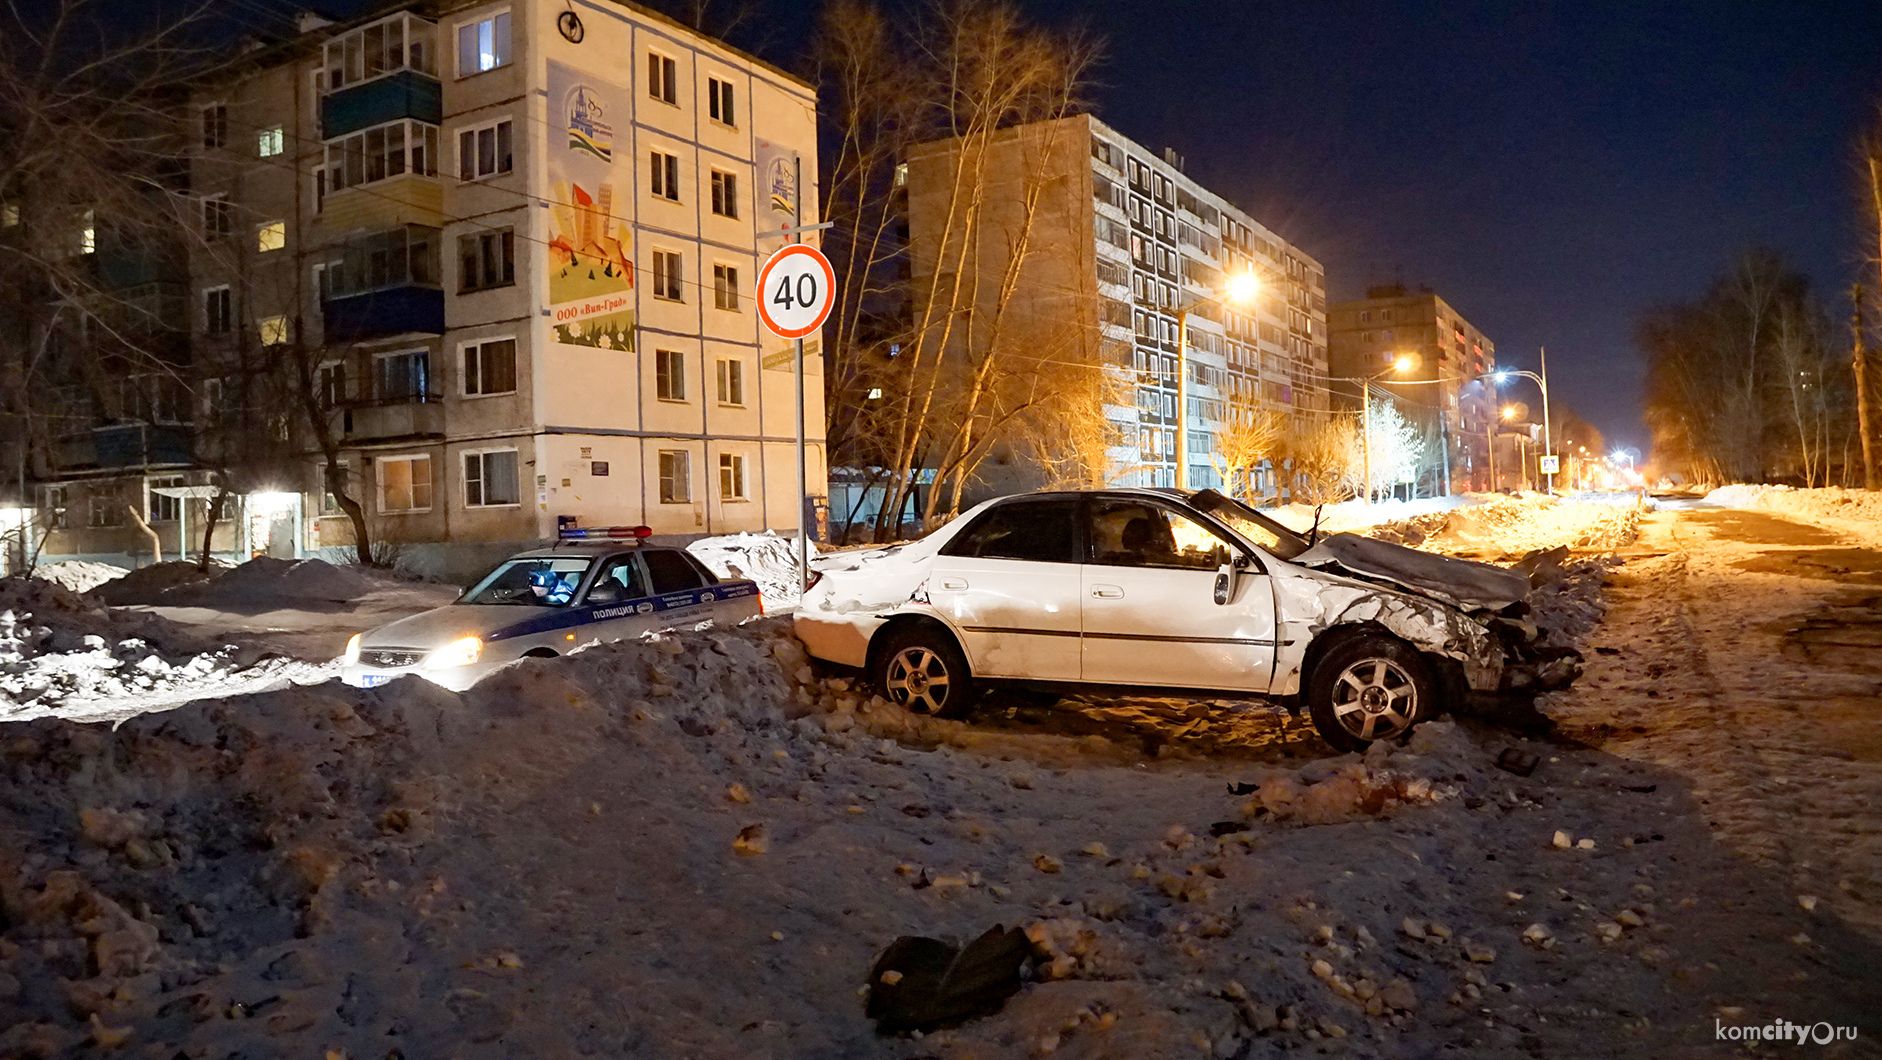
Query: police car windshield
(540, 582)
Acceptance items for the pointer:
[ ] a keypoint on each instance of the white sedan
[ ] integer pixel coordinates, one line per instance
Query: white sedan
(1161, 590)
(548, 602)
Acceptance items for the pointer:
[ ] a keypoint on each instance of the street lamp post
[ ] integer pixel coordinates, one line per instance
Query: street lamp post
(1241, 289)
(1502, 375)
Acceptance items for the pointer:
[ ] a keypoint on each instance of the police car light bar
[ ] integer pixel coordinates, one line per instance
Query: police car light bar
(611, 533)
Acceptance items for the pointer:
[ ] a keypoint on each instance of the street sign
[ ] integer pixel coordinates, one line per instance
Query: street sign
(795, 290)
(1550, 465)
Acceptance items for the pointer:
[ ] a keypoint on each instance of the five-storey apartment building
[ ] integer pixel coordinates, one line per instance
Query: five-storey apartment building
(508, 251)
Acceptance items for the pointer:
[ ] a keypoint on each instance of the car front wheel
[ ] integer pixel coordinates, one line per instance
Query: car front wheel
(925, 672)
(1369, 688)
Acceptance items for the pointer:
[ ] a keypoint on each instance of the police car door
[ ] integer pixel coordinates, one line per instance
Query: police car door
(681, 586)
(618, 602)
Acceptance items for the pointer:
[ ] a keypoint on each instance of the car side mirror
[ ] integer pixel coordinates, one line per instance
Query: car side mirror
(1225, 582)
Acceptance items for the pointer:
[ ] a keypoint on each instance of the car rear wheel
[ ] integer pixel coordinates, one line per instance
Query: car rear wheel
(924, 671)
(1369, 688)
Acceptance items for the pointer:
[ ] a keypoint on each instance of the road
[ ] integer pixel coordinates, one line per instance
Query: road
(1744, 651)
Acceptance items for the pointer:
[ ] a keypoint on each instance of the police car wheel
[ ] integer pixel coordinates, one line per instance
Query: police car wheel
(924, 671)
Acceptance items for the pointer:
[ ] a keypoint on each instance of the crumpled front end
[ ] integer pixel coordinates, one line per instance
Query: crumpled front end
(1311, 603)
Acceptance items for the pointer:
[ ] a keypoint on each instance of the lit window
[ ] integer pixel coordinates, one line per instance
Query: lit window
(88, 233)
(270, 142)
(483, 45)
(273, 330)
(9, 215)
(271, 236)
(404, 483)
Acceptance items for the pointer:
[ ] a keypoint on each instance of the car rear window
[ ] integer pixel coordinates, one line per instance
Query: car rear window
(1039, 531)
(671, 572)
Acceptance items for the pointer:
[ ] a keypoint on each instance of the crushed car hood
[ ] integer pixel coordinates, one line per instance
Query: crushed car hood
(1461, 582)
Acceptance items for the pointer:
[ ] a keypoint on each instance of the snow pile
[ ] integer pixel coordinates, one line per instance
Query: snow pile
(767, 558)
(80, 576)
(1856, 511)
(59, 653)
(1514, 525)
(146, 585)
(261, 583)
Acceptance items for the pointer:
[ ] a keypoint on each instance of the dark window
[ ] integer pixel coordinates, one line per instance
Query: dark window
(486, 259)
(670, 571)
(1039, 531)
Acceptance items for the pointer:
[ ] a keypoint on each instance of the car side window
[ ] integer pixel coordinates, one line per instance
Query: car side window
(670, 572)
(620, 579)
(1039, 531)
(1129, 533)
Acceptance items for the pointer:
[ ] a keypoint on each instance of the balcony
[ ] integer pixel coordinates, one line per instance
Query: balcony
(382, 285)
(406, 94)
(404, 310)
(130, 445)
(417, 417)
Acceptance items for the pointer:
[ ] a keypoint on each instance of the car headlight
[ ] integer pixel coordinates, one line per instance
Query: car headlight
(351, 655)
(461, 652)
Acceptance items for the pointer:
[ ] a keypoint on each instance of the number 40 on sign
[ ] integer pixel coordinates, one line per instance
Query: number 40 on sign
(794, 291)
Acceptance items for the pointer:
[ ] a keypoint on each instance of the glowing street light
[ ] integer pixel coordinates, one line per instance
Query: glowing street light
(1241, 290)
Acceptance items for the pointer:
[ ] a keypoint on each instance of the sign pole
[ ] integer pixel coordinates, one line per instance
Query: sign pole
(803, 479)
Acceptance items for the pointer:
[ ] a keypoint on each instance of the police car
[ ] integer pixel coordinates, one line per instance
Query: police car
(592, 585)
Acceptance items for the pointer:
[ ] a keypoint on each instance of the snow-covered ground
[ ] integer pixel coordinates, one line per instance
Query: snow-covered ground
(80, 576)
(770, 559)
(1487, 524)
(1857, 513)
(697, 845)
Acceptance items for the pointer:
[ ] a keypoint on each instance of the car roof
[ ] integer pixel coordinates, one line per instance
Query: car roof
(589, 549)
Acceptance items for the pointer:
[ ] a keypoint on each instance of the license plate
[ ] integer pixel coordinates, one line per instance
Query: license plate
(373, 680)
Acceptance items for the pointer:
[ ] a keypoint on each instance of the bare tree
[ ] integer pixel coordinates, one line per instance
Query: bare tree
(1251, 432)
(972, 76)
(1322, 451)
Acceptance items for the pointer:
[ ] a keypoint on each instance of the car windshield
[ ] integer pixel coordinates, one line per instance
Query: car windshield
(1271, 536)
(545, 581)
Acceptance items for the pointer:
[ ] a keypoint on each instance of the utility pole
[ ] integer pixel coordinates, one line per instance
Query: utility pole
(1860, 361)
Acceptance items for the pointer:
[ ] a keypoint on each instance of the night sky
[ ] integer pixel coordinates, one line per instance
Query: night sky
(1550, 169)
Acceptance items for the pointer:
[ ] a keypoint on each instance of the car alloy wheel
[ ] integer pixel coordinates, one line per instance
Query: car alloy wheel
(918, 679)
(1373, 699)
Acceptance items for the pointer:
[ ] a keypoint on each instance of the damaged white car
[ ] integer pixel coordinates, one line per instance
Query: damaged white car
(1173, 592)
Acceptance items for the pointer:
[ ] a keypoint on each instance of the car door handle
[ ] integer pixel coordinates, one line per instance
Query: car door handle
(954, 583)
(1108, 592)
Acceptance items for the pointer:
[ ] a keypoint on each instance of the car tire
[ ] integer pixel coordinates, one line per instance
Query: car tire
(1371, 687)
(924, 671)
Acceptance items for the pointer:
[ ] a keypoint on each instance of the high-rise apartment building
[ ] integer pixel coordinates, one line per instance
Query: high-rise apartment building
(1444, 387)
(497, 262)
(1123, 244)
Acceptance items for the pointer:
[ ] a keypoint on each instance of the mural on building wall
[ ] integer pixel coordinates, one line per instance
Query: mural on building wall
(591, 251)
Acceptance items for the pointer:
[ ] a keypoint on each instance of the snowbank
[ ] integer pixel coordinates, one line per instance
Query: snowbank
(61, 654)
(260, 584)
(1485, 523)
(80, 576)
(767, 558)
(1854, 512)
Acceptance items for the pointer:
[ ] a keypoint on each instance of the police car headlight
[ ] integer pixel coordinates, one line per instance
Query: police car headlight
(351, 655)
(461, 652)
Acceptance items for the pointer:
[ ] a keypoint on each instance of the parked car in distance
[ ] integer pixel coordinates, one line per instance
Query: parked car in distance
(1173, 592)
(593, 585)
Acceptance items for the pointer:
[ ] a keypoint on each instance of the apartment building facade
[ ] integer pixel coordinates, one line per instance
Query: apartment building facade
(1129, 245)
(496, 262)
(1444, 389)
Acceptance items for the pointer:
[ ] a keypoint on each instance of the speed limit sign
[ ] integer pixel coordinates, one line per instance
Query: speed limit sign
(795, 290)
